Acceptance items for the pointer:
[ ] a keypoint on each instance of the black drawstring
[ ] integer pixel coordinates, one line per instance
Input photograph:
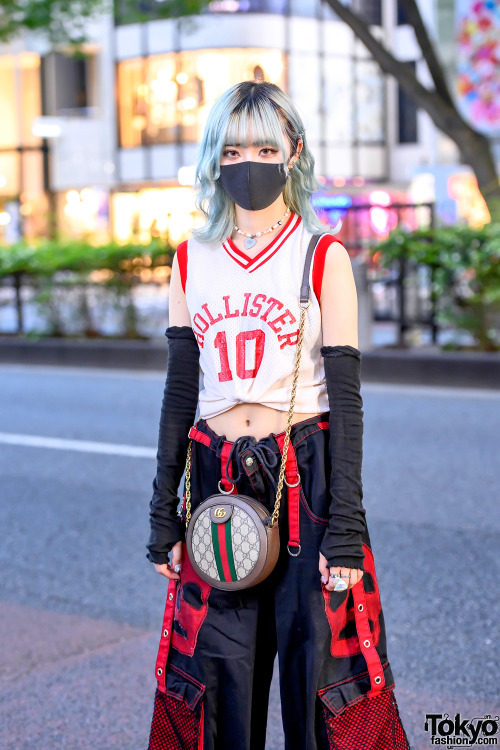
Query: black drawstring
(249, 443)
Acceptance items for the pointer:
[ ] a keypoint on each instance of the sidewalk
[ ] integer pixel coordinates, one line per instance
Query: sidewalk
(76, 667)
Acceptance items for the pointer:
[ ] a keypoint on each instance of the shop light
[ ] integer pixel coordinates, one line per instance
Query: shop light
(73, 196)
(272, 64)
(382, 217)
(139, 122)
(163, 89)
(82, 205)
(380, 198)
(29, 60)
(188, 103)
(3, 180)
(378, 219)
(463, 188)
(46, 127)
(229, 6)
(321, 200)
(186, 175)
(4, 218)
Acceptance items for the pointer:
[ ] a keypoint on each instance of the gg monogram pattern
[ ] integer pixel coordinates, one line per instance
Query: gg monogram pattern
(244, 538)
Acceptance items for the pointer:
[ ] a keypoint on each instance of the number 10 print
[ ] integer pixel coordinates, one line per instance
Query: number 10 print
(220, 343)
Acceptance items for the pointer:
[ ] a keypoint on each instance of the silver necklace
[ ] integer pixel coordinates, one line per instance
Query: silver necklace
(251, 238)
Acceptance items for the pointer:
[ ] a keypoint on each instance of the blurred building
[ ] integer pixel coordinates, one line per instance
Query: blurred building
(106, 144)
(466, 34)
(57, 141)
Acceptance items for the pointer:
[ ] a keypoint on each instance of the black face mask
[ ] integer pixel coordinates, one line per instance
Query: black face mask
(253, 185)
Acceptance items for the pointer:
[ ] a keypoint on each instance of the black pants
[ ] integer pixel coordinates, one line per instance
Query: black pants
(217, 648)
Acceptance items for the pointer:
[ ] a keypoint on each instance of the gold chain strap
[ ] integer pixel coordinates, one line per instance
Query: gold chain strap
(287, 436)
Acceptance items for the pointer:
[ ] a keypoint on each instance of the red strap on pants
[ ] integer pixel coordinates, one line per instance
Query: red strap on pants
(224, 457)
(375, 670)
(293, 491)
(166, 635)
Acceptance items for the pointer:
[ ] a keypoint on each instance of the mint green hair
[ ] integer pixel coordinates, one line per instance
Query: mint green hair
(272, 116)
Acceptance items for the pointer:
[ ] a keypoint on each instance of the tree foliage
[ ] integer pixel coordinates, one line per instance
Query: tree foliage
(465, 262)
(61, 21)
(437, 101)
(65, 22)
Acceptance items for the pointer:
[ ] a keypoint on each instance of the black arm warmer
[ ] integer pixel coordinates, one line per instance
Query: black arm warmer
(342, 544)
(178, 412)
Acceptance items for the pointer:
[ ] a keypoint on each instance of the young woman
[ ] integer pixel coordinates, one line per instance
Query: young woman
(234, 309)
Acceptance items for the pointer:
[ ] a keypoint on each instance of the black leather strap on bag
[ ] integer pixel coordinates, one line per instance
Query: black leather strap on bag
(304, 289)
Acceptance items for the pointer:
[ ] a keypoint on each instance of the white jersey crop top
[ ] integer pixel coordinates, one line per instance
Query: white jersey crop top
(245, 315)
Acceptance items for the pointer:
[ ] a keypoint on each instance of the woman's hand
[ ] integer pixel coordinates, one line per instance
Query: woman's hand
(169, 570)
(355, 574)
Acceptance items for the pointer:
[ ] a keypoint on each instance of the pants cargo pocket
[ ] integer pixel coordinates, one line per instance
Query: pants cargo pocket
(191, 607)
(177, 722)
(357, 721)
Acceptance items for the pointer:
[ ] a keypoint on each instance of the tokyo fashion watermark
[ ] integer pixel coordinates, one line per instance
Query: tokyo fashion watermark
(454, 731)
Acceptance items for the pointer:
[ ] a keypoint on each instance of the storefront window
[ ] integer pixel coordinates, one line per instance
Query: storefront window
(19, 99)
(84, 212)
(132, 106)
(167, 213)
(9, 132)
(339, 100)
(9, 173)
(69, 84)
(162, 93)
(369, 120)
(22, 206)
(30, 95)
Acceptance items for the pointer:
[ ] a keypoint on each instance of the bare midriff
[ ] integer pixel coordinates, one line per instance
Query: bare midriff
(253, 419)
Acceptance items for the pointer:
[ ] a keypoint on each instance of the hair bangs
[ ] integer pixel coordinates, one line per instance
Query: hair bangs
(256, 124)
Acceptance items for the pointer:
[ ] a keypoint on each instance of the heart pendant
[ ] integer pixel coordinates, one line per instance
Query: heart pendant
(250, 242)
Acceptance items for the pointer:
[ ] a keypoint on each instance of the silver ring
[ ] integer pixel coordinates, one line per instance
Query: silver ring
(340, 585)
(291, 485)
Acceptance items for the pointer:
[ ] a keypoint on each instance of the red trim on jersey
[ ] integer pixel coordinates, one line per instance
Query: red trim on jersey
(251, 264)
(319, 262)
(182, 257)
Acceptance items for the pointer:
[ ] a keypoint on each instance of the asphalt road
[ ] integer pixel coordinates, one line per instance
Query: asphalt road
(81, 606)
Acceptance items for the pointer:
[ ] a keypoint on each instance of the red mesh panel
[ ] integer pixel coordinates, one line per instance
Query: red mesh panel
(175, 726)
(369, 724)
